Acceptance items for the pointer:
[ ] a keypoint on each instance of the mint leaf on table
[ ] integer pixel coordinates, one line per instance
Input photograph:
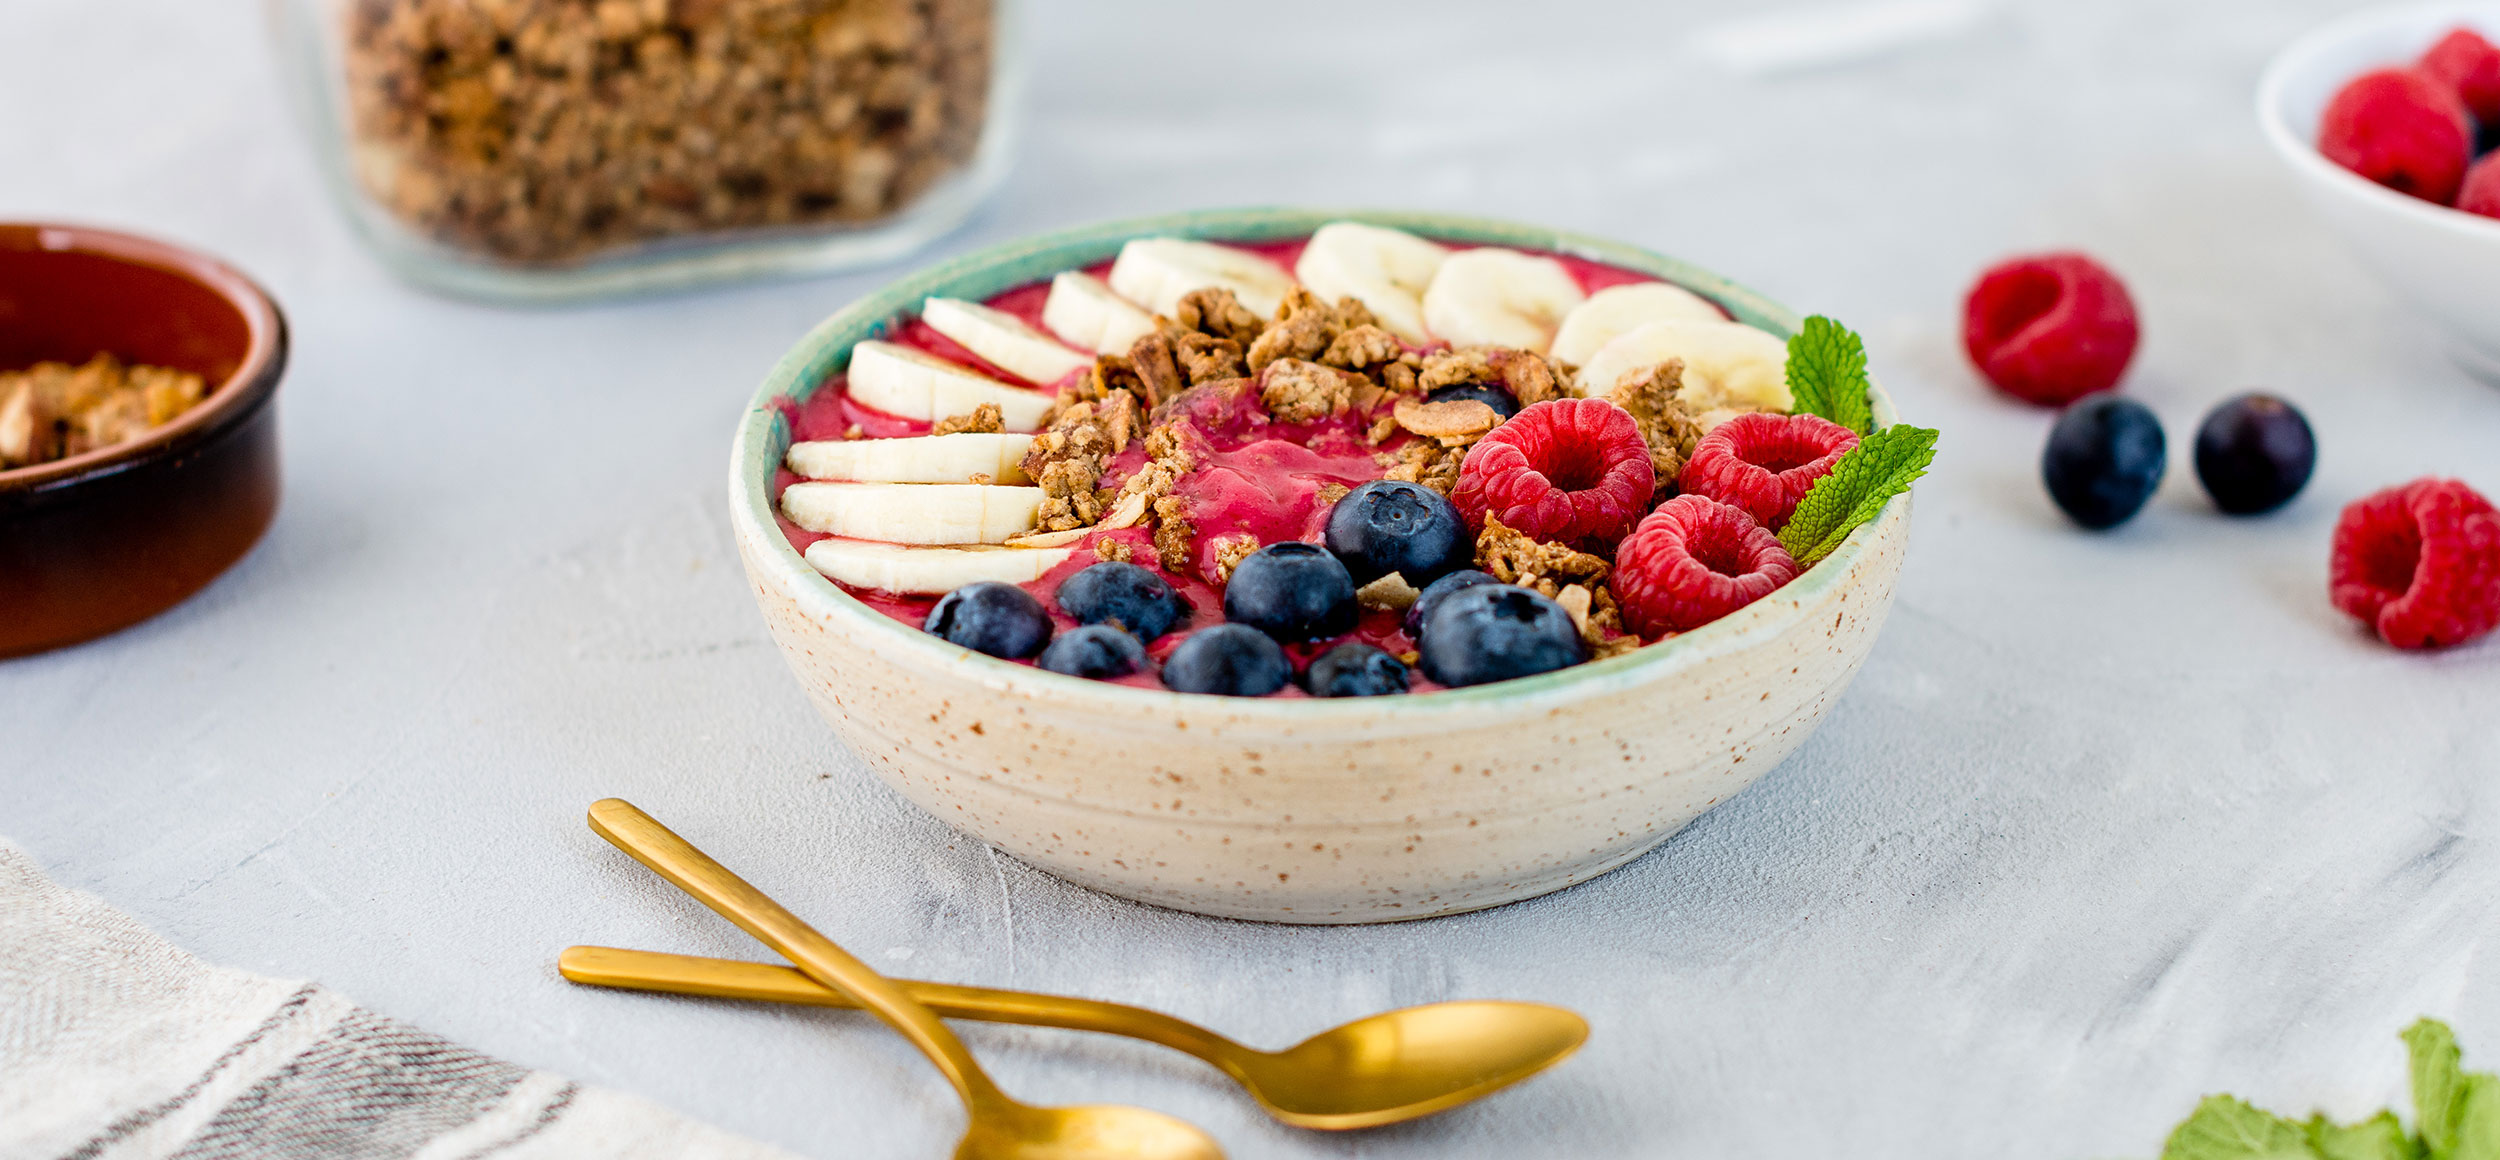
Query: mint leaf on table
(2378, 1138)
(2438, 1085)
(2478, 1118)
(1827, 374)
(2224, 1128)
(1882, 466)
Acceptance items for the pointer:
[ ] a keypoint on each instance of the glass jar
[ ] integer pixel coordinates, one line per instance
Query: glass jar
(558, 149)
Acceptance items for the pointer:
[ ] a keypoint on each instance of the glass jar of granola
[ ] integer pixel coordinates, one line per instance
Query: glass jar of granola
(549, 149)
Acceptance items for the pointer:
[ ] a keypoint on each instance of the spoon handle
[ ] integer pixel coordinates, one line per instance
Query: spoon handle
(711, 883)
(731, 979)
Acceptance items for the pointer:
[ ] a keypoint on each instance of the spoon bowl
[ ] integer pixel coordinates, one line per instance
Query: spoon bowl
(1411, 1062)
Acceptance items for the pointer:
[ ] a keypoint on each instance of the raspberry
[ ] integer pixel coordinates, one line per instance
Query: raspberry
(2402, 129)
(2420, 563)
(2050, 328)
(1693, 561)
(1766, 463)
(2469, 65)
(1568, 471)
(2482, 188)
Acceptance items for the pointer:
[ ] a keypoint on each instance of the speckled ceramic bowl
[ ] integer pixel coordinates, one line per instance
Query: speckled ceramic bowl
(1311, 811)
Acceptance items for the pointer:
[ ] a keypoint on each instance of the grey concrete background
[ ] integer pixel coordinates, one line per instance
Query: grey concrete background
(2108, 821)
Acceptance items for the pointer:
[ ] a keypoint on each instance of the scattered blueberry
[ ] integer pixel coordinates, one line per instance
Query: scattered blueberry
(2105, 458)
(999, 619)
(1436, 592)
(1503, 402)
(1389, 526)
(1355, 670)
(1229, 660)
(1291, 591)
(1493, 632)
(1094, 651)
(1124, 594)
(2254, 454)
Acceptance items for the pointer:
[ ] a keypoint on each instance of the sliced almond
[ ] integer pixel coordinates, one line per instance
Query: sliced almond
(1456, 419)
(1574, 598)
(1391, 592)
(1049, 539)
(1132, 509)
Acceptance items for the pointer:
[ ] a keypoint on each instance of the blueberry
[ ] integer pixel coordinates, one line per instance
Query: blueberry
(1503, 402)
(999, 619)
(2254, 454)
(2105, 458)
(1436, 592)
(1229, 660)
(1493, 632)
(1391, 526)
(1124, 594)
(1094, 651)
(1291, 591)
(1355, 670)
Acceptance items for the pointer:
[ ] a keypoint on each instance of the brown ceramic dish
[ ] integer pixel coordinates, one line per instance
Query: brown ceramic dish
(100, 541)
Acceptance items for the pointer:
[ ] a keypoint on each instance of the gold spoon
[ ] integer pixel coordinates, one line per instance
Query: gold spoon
(1001, 1128)
(1383, 1069)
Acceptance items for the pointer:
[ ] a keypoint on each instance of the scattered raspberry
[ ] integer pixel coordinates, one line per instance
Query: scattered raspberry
(2420, 563)
(1693, 561)
(1568, 471)
(2469, 65)
(2482, 188)
(2402, 129)
(1765, 463)
(2050, 328)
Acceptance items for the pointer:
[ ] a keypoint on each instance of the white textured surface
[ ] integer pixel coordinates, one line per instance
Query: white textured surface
(2107, 822)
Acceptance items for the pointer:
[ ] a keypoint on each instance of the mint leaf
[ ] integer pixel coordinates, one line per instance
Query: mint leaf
(2478, 1118)
(2438, 1085)
(2223, 1128)
(1882, 466)
(2378, 1138)
(1827, 374)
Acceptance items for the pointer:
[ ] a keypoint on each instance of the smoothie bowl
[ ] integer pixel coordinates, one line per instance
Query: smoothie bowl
(1321, 567)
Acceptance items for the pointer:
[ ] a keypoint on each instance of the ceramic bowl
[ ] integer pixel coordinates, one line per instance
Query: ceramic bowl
(103, 540)
(2444, 262)
(1306, 811)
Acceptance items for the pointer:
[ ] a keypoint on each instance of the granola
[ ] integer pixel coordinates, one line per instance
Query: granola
(1525, 374)
(1295, 391)
(53, 410)
(543, 132)
(1652, 396)
(981, 420)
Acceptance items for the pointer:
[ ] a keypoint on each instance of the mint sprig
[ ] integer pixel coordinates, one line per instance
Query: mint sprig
(1882, 466)
(1827, 374)
(2456, 1117)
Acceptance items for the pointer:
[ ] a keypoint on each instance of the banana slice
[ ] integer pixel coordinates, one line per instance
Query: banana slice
(1728, 366)
(1084, 311)
(1004, 339)
(899, 380)
(1384, 269)
(926, 459)
(913, 513)
(1155, 272)
(924, 571)
(1497, 297)
(1617, 310)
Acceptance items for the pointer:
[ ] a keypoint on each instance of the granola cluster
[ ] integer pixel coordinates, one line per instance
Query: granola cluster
(546, 131)
(54, 410)
(1575, 579)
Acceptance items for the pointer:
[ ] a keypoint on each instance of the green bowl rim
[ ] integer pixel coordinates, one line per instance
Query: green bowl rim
(763, 439)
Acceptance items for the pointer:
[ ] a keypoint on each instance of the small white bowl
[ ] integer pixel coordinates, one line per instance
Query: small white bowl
(2444, 261)
(1361, 809)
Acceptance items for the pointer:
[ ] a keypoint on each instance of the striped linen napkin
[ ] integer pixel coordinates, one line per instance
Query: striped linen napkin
(116, 1044)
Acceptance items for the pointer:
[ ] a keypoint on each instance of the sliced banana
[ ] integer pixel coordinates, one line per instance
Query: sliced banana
(1008, 342)
(926, 459)
(913, 513)
(1727, 365)
(925, 571)
(1083, 311)
(1386, 270)
(899, 380)
(1618, 310)
(1155, 272)
(1497, 297)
